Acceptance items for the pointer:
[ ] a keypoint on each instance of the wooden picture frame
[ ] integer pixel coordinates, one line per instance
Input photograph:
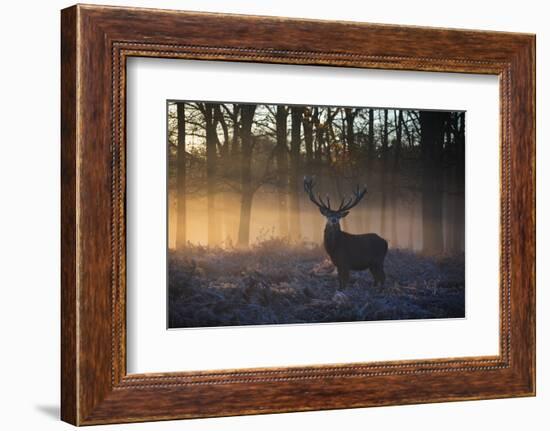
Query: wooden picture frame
(95, 43)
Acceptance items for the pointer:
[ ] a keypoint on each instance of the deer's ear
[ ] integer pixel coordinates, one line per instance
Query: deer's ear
(345, 213)
(323, 211)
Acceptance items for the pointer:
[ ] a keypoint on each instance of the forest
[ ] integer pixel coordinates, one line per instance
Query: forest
(237, 210)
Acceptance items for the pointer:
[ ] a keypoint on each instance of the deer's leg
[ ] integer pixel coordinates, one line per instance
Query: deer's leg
(343, 277)
(374, 274)
(378, 275)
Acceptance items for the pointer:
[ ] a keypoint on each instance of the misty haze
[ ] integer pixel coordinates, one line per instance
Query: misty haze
(282, 214)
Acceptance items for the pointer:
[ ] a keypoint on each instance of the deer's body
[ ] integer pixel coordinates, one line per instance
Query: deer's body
(349, 252)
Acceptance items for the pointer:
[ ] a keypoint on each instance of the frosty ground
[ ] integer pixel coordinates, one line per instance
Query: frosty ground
(275, 282)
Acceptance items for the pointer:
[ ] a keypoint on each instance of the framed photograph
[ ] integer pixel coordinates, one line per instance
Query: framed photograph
(264, 215)
(253, 241)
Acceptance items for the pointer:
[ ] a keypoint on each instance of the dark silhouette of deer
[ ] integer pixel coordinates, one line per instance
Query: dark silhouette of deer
(347, 251)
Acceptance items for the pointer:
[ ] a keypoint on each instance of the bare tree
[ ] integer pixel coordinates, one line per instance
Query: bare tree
(398, 120)
(282, 168)
(295, 143)
(181, 173)
(432, 126)
(384, 186)
(370, 156)
(211, 165)
(307, 122)
(350, 135)
(247, 190)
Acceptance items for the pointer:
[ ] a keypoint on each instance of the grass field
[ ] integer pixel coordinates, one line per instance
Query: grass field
(275, 282)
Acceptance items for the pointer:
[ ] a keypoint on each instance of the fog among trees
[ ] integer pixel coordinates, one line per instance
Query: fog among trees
(236, 173)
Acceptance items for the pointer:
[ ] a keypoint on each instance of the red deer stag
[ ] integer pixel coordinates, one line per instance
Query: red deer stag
(348, 251)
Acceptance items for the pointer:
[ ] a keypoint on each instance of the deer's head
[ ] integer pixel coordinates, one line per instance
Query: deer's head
(333, 215)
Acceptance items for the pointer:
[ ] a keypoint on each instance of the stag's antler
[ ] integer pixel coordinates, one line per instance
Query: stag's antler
(345, 205)
(353, 200)
(309, 183)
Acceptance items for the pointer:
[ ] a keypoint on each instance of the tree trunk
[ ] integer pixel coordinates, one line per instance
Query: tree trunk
(244, 220)
(432, 127)
(319, 135)
(459, 180)
(313, 214)
(295, 232)
(412, 219)
(398, 118)
(370, 165)
(350, 135)
(329, 135)
(235, 137)
(449, 189)
(384, 186)
(318, 153)
(370, 139)
(247, 192)
(308, 140)
(211, 165)
(222, 172)
(181, 210)
(282, 169)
